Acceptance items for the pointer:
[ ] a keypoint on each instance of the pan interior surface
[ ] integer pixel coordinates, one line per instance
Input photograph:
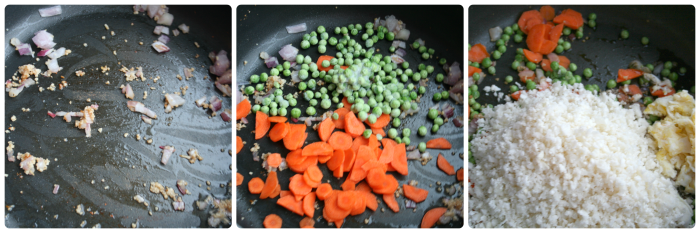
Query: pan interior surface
(105, 171)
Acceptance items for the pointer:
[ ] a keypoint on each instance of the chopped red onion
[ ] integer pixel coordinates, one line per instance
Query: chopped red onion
(128, 92)
(403, 35)
(152, 10)
(136, 106)
(43, 39)
(226, 115)
(423, 82)
(212, 56)
(221, 64)
(458, 121)
(10, 156)
(50, 11)
(397, 59)
(158, 30)
(457, 97)
(391, 23)
(296, 28)
(398, 44)
(225, 78)
(166, 19)
(295, 77)
(199, 102)
(495, 33)
(454, 74)
(181, 186)
(526, 73)
(58, 53)
(45, 52)
(146, 119)
(163, 38)
(400, 52)
(376, 23)
(473, 126)
(414, 154)
(447, 110)
(184, 28)
(52, 64)
(295, 120)
(173, 101)
(289, 53)
(215, 103)
(224, 88)
(264, 55)
(55, 188)
(51, 114)
(410, 204)
(458, 88)
(553, 57)
(25, 49)
(271, 62)
(140, 8)
(256, 158)
(15, 42)
(445, 219)
(167, 152)
(179, 205)
(160, 47)
(176, 32)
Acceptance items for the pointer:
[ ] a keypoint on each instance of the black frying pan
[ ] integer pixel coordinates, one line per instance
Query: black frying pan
(262, 28)
(79, 160)
(669, 29)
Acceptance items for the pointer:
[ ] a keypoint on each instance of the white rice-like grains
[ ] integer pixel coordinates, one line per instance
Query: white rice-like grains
(567, 158)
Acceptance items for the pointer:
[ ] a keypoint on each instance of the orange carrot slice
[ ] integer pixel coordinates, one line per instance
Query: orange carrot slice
(331, 211)
(555, 33)
(270, 184)
(294, 138)
(432, 216)
(317, 149)
(548, 46)
(324, 159)
(378, 131)
(337, 160)
(400, 162)
(323, 191)
(239, 144)
(308, 204)
(272, 221)
(387, 154)
(262, 124)
(325, 129)
(353, 126)
(309, 161)
(388, 142)
(569, 18)
(382, 121)
(291, 204)
(239, 179)
(547, 12)
(564, 61)
(387, 186)
(307, 222)
(276, 191)
(346, 104)
(477, 53)
(274, 159)
(308, 180)
(348, 161)
(279, 131)
(660, 92)
(359, 141)
(370, 200)
(294, 158)
(390, 201)
(315, 173)
(532, 56)
(346, 200)
(298, 186)
(340, 122)
(473, 70)
(445, 165)
(278, 119)
(255, 185)
(340, 141)
(634, 89)
(460, 174)
(531, 15)
(242, 109)
(320, 60)
(285, 193)
(415, 194)
(628, 74)
(360, 203)
(348, 185)
(438, 143)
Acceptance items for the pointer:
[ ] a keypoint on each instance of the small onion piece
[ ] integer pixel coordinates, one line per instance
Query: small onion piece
(458, 121)
(43, 39)
(176, 32)
(52, 64)
(25, 49)
(271, 62)
(45, 52)
(226, 115)
(289, 53)
(15, 42)
(553, 57)
(166, 19)
(153, 10)
(184, 28)
(58, 53)
(160, 47)
(50, 11)
(402, 35)
(495, 33)
(400, 52)
(398, 44)
(264, 55)
(163, 38)
(296, 28)
(454, 74)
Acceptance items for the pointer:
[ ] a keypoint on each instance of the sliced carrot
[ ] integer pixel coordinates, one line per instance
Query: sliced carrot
(516, 95)
(445, 165)
(373, 143)
(378, 131)
(359, 141)
(262, 124)
(346, 200)
(315, 173)
(308, 204)
(536, 38)
(375, 177)
(309, 161)
(321, 59)
(415, 194)
(348, 185)
(346, 105)
(331, 211)
(353, 126)
(360, 203)
(388, 142)
(660, 92)
(363, 187)
(274, 159)
(564, 61)
(337, 160)
(532, 56)
(278, 119)
(340, 141)
(309, 181)
(370, 200)
(569, 18)
(546, 65)
(239, 179)
(338, 173)
(363, 154)
(477, 53)
(634, 89)
(294, 158)
(239, 144)
(317, 149)
(323, 191)
(548, 46)
(387, 154)
(547, 12)
(242, 109)
(298, 186)
(284, 193)
(338, 223)
(372, 164)
(307, 222)
(294, 137)
(382, 121)
(460, 174)
(388, 185)
(357, 174)
(531, 23)
(432, 216)
(473, 70)
(291, 204)
(270, 184)
(349, 160)
(391, 202)
(255, 185)
(340, 122)
(302, 140)
(438, 143)
(528, 15)
(325, 129)
(400, 162)
(628, 74)
(324, 159)
(556, 32)
(272, 221)
(276, 191)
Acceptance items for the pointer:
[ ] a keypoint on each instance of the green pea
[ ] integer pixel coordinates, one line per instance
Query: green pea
(648, 100)
(496, 55)
(265, 109)
(439, 77)
(591, 23)
(566, 45)
(611, 84)
(438, 121)
(645, 40)
(530, 85)
(305, 44)
(486, 62)
(559, 49)
(505, 37)
(592, 16)
(392, 133)
(445, 95)
(624, 34)
(396, 122)
(406, 140)
(665, 72)
(579, 34)
(587, 72)
(514, 88)
(406, 132)
(508, 30)
(344, 30)
(322, 49)
(673, 76)
(566, 31)
(532, 66)
(515, 65)
(425, 56)
(260, 87)
(517, 38)
(436, 127)
(287, 73)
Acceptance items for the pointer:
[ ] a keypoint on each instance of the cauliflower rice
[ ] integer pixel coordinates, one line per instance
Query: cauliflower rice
(567, 158)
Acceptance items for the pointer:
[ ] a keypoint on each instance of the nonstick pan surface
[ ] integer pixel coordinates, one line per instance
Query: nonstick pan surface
(262, 28)
(124, 163)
